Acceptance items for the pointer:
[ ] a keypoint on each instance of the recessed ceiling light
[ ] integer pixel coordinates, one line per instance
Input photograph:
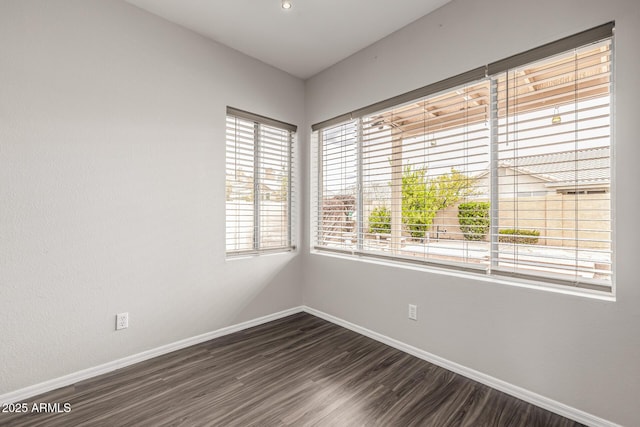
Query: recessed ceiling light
(286, 4)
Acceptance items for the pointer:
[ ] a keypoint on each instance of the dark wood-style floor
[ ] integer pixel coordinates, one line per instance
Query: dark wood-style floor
(300, 370)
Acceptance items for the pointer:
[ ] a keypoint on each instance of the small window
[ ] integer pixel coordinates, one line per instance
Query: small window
(259, 180)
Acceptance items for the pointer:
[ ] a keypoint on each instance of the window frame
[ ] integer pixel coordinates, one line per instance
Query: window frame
(489, 73)
(259, 141)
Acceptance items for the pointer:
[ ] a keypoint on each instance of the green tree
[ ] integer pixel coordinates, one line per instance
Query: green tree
(422, 197)
(451, 187)
(417, 201)
(380, 220)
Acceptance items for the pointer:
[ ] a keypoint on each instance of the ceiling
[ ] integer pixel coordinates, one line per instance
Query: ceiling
(304, 40)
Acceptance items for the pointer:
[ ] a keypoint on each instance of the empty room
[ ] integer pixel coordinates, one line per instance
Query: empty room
(319, 212)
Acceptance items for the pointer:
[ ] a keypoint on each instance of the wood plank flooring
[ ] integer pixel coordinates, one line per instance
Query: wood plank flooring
(296, 371)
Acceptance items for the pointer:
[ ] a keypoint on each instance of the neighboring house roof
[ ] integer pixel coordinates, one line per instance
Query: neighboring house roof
(583, 168)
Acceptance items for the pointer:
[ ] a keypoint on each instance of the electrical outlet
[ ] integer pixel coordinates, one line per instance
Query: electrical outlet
(413, 312)
(122, 321)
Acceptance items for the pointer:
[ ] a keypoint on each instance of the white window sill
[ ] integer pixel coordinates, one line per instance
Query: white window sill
(252, 255)
(511, 281)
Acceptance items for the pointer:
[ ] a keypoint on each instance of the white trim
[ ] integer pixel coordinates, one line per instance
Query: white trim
(503, 386)
(34, 390)
(464, 274)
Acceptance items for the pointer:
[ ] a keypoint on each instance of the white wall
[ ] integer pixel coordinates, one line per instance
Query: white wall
(112, 186)
(581, 352)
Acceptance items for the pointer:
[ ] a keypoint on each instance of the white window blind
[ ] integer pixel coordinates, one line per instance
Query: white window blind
(337, 225)
(259, 180)
(553, 168)
(417, 162)
(507, 172)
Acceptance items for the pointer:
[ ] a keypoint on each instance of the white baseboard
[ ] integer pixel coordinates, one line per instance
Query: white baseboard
(518, 392)
(503, 386)
(34, 390)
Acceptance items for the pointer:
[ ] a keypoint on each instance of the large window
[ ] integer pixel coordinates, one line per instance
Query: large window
(505, 169)
(259, 183)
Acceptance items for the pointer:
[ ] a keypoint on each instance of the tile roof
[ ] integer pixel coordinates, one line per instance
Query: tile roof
(583, 167)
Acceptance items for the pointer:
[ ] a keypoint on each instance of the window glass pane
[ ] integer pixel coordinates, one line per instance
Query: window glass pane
(274, 187)
(240, 185)
(337, 225)
(555, 168)
(421, 162)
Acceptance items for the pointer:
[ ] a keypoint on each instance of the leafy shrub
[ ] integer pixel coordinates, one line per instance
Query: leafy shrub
(474, 220)
(380, 220)
(510, 235)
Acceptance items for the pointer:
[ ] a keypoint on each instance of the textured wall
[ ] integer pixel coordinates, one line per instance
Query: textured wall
(579, 351)
(112, 186)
